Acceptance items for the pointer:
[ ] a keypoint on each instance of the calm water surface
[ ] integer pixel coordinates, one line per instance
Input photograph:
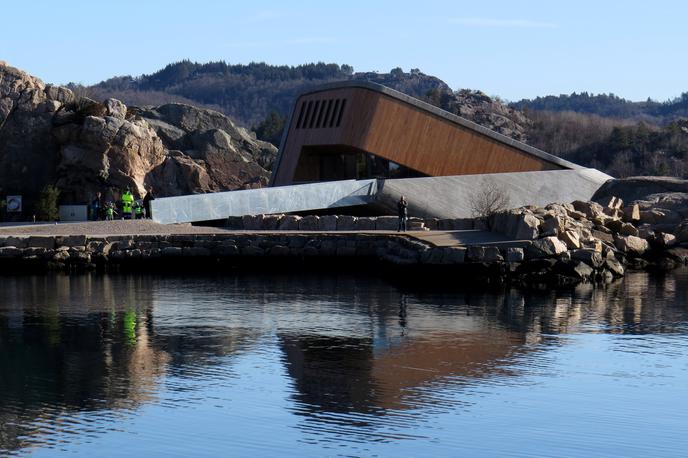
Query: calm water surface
(333, 365)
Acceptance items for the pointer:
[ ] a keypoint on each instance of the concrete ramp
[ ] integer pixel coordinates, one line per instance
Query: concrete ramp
(283, 199)
(451, 196)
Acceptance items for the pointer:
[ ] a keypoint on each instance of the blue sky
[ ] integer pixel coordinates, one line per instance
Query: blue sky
(513, 49)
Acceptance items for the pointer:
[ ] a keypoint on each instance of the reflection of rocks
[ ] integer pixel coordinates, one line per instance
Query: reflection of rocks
(83, 342)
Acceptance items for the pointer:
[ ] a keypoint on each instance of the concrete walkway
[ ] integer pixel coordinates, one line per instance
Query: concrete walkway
(463, 238)
(148, 227)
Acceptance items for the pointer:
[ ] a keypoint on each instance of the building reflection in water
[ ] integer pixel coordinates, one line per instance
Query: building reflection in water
(350, 344)
(433, 339)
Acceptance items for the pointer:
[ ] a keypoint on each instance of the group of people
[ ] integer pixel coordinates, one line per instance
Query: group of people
(127, 207)
(130, 208)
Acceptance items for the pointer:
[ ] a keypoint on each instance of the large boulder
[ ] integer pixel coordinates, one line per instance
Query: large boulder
(589, 209)
(178, 175)
(49, 135)
(108, 152)
(631, 244)
(639, 188)
(28, 156)
(526, 227)
(571, 239)
(173, 118)
(549, 246)
(115, 108)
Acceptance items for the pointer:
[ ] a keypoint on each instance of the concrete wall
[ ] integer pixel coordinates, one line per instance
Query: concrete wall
(447, 197)
(450, 197)
(283, 199)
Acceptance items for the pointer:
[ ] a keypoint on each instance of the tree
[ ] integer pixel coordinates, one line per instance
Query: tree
(397, 72)
(46, 206)
(488, 200)
(270, 129)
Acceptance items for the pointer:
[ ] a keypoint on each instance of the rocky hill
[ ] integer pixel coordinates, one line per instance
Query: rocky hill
(250, 93)
(51, 136)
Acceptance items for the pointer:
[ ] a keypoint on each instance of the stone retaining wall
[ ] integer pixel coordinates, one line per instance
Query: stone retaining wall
(525, 261)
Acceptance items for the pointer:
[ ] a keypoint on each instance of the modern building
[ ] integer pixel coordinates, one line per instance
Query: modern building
(359, 130)
(356, 143)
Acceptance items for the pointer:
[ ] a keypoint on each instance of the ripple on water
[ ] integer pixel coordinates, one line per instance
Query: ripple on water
(340, 365)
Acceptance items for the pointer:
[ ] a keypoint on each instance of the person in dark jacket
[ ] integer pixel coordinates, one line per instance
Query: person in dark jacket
(402, 207)
(96, 207)
(146, 202)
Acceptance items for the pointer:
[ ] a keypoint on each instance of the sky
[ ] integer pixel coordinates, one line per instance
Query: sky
(512, 49)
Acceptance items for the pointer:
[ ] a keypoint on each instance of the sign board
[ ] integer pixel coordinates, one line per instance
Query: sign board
(14, 204)
(73, 213)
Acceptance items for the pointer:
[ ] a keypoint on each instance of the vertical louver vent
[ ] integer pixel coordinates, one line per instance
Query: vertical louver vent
(316, 114)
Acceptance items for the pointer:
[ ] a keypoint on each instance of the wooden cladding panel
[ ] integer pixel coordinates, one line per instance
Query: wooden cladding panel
(435, 146)
(403, 133)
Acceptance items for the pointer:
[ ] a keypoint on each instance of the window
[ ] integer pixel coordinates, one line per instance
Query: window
(320, 114)
(316, 105)
(301, 113)
(308, 114)
(326, 118)
(341, 112)
(334, 113)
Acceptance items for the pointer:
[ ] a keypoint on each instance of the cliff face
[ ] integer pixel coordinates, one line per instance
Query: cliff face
(49, 135)
(488, 112)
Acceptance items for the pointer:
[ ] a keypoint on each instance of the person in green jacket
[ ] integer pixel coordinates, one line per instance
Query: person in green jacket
(127, 204)
(138, 209)
(110, 211)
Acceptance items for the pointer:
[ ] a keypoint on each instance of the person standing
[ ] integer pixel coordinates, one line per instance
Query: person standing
(138, 209)
(110, 211)
(127, 204)
(96, 207)
(402, 207)
(146, 202)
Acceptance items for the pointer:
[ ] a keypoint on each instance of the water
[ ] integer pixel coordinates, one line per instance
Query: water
(336, 365)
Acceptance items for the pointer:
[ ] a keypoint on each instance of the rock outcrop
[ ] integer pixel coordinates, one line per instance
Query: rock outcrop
(660, 203)
(478, 107)
(51, 136)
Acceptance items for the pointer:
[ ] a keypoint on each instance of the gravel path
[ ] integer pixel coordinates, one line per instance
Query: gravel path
(116, 227)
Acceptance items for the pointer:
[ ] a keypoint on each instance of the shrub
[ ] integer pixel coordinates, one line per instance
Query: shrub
(46, 206)
(488, 200)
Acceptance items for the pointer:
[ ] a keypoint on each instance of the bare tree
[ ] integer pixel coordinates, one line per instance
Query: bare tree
(487, 200)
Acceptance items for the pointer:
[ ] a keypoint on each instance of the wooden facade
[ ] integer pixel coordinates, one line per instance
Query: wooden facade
(361, 117)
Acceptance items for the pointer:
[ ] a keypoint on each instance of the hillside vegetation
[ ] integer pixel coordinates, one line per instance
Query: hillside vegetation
(616, 135)
(610, 105)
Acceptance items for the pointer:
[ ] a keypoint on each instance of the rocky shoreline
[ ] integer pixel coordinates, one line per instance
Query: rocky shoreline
(541, 260)
(561, 243)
